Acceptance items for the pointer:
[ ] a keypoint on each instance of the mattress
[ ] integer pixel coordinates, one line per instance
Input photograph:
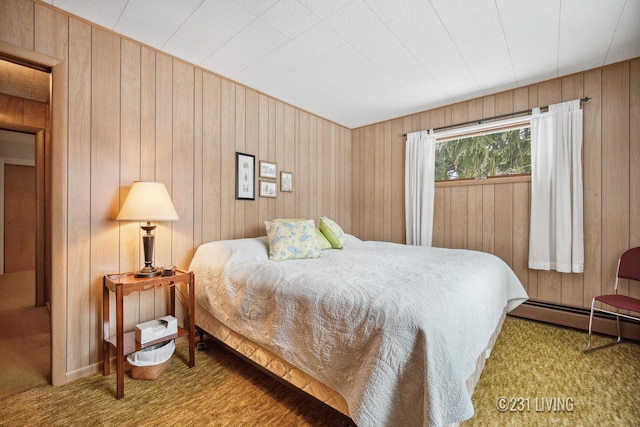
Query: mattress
(396, 331)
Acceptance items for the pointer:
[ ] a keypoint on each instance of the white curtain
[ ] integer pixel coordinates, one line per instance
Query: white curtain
(556, 234)
(419, 187)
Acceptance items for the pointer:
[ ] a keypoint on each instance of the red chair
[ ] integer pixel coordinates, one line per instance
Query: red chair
(628, 268)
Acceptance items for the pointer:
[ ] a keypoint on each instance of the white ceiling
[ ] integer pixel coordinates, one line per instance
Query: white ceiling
(358, 62)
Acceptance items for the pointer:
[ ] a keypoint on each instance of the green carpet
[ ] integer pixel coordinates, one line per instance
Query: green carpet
(533, 364)
(538, 375)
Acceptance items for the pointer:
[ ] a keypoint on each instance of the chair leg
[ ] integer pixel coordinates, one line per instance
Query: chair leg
(588, 348)
(593, 301)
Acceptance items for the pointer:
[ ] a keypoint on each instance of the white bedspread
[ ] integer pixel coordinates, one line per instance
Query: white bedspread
(395, 329)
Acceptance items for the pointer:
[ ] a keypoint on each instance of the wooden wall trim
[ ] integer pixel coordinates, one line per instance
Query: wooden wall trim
(28, 56)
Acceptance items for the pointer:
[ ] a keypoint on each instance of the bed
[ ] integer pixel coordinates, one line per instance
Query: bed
(387, 334)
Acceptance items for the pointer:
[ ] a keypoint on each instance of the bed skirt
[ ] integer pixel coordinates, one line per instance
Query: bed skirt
(284, 370)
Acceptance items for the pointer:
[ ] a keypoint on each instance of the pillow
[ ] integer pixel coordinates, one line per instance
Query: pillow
(322, 241)
(292, 240)
(332, 232)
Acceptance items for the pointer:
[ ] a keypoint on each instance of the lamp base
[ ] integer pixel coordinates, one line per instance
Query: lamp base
(148, 273)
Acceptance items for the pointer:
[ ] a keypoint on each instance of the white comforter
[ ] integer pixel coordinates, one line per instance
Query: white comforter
(395, 329)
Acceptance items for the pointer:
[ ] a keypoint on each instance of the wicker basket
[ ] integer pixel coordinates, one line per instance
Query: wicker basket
(149, 363)
(149, 372)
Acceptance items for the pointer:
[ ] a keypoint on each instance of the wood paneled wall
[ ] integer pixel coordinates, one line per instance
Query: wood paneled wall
(123, 112)
(493, 216)
(23, 113)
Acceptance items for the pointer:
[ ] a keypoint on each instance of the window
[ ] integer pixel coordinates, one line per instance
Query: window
(483, 153)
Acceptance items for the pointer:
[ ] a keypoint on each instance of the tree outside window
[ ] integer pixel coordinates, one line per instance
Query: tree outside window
(497, 154)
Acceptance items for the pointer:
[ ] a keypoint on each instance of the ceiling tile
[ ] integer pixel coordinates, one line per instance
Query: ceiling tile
(252, 44)
(290, 18)
(626, 41)
(386, 52)
(583, 42)
(104, 13)
(387, 10)
(353, 20)
(496, 80)
(324, 8)
(292, 55)
(144, 21)
(209, 28)
(476, 32)
(530, 69)
(256, 7)
(422, 32)
(532, 42)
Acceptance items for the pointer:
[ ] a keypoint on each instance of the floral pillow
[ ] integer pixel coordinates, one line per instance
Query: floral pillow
(294, 239)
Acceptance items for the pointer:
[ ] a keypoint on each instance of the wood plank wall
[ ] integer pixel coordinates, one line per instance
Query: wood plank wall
(493, 216)
(133, 113)
(126, 112)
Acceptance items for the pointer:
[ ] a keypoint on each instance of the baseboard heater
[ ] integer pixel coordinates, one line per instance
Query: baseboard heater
(577, 318)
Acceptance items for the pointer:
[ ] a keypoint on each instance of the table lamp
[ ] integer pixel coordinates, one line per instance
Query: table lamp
(148, 201)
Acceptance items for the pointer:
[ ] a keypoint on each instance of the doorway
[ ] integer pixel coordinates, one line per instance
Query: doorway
(25, 318)
(19, 216)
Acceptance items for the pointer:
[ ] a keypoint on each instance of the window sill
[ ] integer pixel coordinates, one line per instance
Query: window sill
(486, 181)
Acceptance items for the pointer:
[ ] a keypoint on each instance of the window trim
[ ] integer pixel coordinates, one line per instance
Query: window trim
(465, 182)
(483, 128)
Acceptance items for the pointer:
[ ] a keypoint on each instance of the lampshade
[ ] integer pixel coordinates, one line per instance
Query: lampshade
(147, 201)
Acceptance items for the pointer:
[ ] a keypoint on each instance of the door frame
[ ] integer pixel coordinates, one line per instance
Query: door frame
(57, 244)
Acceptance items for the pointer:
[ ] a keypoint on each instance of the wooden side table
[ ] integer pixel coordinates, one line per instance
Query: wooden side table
(125, 343)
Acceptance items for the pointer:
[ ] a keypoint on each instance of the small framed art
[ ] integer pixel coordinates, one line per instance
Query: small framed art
(268, 189)
(286, 181)
(268, 170)
(245, 176)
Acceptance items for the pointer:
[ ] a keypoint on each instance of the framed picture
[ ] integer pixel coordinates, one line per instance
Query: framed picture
(286, 181)
(245, 176)
(268, 170)
(268, 189)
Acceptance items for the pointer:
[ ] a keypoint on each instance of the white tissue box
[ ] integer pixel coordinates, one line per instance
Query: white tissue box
(156, 329)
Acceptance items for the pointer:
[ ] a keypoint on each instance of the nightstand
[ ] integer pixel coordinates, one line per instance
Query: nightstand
(125, 343)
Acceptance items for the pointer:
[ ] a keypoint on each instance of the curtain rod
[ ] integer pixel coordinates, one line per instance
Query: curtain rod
(501, 116)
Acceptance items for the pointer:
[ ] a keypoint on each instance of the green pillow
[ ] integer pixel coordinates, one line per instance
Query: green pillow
(333, 233)
(324, 243)
(292, 240)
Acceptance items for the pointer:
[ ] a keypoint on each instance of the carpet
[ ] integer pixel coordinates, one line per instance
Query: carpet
(538, 375)
(531, 362)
